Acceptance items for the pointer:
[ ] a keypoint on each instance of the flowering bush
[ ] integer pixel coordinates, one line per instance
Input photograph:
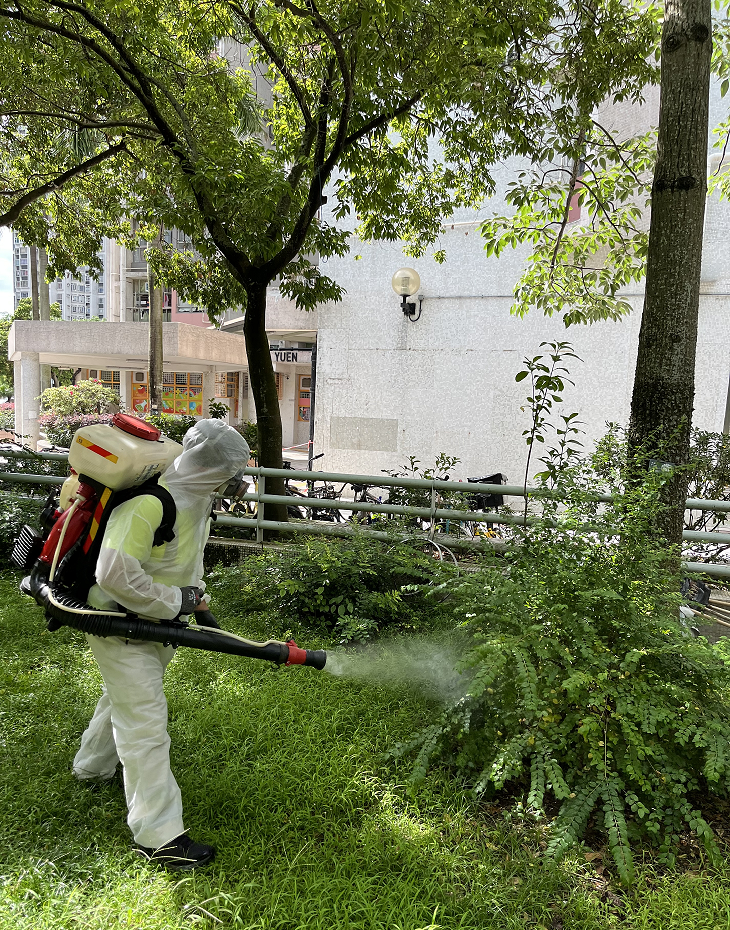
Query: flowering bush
(60, 429)
(84, 397)
(7, 417)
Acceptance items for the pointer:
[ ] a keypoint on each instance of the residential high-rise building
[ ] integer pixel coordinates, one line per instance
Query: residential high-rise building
(80, 296)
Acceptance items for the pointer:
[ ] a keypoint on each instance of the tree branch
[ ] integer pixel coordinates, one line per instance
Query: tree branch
(617, 149)
(125, 74)
(8, 218)
(566, 209)
(314, 15)
(334, 40)
(278, 60)
(381, 120)
(316, 131)
(135, 79)
(146, 81)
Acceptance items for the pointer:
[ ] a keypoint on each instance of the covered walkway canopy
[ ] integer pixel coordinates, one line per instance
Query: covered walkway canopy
(116, 346)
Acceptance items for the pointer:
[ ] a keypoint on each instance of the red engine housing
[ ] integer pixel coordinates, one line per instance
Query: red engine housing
(77, 524)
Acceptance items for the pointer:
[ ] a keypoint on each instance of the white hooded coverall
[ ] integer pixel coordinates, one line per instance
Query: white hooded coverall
(130, 720)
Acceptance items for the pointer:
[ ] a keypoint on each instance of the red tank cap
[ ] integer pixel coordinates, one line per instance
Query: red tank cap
(135, 427)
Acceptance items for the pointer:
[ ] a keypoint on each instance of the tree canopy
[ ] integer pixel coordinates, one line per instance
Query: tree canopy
(115, 111)
(234, 123)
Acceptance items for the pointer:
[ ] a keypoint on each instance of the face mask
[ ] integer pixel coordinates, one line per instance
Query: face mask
(235, 487)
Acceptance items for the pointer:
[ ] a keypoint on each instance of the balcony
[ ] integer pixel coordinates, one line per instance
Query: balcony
(143, 316)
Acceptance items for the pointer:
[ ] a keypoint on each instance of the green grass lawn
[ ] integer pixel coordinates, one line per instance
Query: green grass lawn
(283, 771)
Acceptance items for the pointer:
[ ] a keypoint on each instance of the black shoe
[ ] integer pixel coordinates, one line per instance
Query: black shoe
(100, 782)
(180, 854)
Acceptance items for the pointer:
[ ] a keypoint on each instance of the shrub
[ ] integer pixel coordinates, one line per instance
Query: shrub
(81, 398)
(246, 587)
(173, 426)
(60, 429)
(356, 586)
(7, 417)
(585, 687)
(217, 410)
(352, 587)
(709, 479)
(421, 497)
(250, 433)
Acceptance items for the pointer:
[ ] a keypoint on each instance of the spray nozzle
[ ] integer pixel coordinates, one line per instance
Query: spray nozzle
(314, 657)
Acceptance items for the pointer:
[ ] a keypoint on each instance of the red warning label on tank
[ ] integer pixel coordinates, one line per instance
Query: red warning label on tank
(92, 447)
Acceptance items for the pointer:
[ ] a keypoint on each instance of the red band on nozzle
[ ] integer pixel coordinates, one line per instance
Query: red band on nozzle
(297, 656)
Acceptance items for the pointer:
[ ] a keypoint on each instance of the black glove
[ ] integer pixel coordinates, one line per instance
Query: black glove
(191, 597)
(206, 618)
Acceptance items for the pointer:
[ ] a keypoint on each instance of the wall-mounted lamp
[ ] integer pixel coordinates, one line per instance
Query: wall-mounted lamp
(405, 283)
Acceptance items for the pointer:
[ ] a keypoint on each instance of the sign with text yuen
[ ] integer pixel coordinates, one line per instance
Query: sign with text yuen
(291, 356)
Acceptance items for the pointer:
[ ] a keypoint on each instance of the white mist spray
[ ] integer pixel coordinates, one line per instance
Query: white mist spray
(429, 667)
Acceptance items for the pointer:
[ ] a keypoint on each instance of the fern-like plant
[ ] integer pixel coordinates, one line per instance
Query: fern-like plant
(585, 687)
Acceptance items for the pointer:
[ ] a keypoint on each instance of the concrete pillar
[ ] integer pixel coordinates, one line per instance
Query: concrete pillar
(28, 377)
(18, 398)
(208, 390)
(112, 290)
(122, 285)
(286, 406)
(125, 389)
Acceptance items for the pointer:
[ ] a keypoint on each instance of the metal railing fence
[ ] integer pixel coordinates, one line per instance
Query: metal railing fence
(431, 514)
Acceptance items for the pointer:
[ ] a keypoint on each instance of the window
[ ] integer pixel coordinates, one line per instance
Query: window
(184, 307)
(226, 384)
(182, 392)
(141, 302)
(110, 379)
(304, 397)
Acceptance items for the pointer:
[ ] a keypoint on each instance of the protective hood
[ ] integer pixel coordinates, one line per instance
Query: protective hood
(212, 454)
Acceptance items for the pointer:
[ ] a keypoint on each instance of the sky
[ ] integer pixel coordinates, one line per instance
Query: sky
(6, 271)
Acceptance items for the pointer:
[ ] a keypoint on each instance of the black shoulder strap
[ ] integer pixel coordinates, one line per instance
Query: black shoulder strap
(165, 532)
(76, 572)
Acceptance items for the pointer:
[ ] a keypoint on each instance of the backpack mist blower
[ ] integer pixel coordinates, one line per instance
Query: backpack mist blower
(110, 464)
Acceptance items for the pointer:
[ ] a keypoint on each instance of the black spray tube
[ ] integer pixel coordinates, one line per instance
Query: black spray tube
(62, 610)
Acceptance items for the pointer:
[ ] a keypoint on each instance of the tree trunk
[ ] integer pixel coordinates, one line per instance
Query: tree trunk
(262, 383)
(663, 396)
(44, 309)
(35, 314)
(155, 344)
(44, 301)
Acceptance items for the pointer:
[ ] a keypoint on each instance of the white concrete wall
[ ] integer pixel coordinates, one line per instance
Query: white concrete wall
(388, 388)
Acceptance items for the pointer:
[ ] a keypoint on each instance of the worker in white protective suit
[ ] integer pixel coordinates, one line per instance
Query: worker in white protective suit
(163, 582)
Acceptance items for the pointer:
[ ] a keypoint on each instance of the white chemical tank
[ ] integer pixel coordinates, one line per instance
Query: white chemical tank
(123, 453)
(67, 494)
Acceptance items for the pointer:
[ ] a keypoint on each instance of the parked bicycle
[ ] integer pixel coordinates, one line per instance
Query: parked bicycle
(485, 503)
(361, 494)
